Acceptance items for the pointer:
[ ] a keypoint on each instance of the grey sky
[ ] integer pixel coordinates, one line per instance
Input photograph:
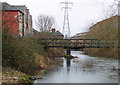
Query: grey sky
(83, 13)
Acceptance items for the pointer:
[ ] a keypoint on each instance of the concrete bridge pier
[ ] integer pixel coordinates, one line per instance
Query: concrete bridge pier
(68, 51)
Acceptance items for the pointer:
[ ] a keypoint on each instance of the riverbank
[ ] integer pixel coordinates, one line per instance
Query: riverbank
(111, 53)
(24, 56)
(13, 76)
(10, 75)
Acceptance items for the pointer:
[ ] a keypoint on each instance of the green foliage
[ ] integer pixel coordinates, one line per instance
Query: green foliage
(25, 78)
(7, 47)
(10, 73)
(19, 53)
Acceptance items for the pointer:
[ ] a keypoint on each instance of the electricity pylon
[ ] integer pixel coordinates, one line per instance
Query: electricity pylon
(66, 25)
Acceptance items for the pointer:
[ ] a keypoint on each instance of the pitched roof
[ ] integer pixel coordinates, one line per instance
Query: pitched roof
(5, 6)
(20, 7)
(57, 33)
(8, 7)
(35, 30)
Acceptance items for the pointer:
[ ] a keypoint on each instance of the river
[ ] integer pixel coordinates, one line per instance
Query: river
(84, 69)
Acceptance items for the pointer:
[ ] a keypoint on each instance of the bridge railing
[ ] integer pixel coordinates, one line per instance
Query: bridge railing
(73, 43)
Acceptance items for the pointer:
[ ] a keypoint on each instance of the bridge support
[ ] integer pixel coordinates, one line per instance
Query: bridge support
(68, 51)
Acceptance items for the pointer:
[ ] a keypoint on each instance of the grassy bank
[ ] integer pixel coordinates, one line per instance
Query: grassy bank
(23, 56)
(43, 64)
(105, 31)
(102, 52)
(13, 76)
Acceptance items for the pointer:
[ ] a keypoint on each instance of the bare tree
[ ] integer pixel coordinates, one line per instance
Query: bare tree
(111, 10)
(45, 23)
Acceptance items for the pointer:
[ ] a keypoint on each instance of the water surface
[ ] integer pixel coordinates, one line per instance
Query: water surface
(84, 69)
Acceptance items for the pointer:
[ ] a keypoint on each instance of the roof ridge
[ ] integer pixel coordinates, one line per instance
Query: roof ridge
(18, 5)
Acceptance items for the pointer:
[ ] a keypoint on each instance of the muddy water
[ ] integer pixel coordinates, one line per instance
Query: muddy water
(84, 69)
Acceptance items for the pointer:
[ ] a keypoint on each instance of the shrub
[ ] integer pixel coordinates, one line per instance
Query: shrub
(7, 47)
(19, 53)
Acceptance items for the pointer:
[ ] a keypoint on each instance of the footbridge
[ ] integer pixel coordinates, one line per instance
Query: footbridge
(75, 43)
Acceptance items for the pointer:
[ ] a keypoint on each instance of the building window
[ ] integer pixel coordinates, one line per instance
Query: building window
(15, 16)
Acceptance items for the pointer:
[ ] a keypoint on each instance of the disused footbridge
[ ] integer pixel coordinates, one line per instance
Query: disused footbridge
(75, 43)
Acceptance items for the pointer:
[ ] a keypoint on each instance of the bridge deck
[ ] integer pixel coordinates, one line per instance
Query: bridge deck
(76, 43)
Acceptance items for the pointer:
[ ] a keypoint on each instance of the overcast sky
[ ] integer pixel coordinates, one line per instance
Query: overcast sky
(82, 15)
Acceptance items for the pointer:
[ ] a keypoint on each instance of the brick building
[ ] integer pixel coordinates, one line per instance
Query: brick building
(17, 18)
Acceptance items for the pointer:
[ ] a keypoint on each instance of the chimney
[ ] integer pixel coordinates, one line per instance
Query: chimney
(53, 29)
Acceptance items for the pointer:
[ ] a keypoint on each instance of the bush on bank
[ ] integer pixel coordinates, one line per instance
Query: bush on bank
(20, 53)
(26, 54)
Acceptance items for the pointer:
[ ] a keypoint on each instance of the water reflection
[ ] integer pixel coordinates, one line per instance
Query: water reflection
(83, 69)
(68, 63)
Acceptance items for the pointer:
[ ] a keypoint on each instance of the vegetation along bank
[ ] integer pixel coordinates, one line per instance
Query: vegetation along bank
(107, 31)
(22, 57)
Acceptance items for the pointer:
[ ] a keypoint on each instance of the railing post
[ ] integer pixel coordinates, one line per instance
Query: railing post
(83, 43)
(91, 43)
